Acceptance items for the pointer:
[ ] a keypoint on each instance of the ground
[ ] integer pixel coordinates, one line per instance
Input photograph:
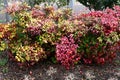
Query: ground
(49, 71)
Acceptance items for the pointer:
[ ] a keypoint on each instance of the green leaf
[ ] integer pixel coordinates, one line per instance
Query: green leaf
(53, 59)
(100, 39)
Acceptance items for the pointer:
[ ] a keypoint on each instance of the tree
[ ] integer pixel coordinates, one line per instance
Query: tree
(98, 4)
(58, 2)
(6, 14)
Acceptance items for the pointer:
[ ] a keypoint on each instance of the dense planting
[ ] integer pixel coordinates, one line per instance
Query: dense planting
(38, 33)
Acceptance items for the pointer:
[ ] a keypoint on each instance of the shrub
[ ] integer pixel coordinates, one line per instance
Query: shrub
(43, 32)
(27, 54)
(35, 32)
(98, 44)
(66, 52)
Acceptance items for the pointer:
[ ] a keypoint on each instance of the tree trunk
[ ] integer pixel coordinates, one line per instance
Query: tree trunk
(6, 14)
(72, 3)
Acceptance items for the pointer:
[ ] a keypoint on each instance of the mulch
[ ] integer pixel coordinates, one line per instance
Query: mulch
(50, 71)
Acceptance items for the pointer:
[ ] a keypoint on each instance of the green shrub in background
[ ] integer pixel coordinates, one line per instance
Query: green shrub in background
(99, 4)
(58, 2)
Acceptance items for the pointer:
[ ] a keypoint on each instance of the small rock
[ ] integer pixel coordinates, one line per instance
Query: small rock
(89, 75)
(30, 72)
(28, 77)
(70, 76)
(51, 71)
(117, 73)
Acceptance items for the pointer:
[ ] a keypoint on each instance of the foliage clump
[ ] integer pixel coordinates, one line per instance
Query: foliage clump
(37, 33)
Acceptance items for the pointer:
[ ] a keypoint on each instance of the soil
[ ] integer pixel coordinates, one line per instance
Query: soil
(50, 71)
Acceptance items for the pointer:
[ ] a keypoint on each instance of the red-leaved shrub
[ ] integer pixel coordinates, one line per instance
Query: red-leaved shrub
(66, 52)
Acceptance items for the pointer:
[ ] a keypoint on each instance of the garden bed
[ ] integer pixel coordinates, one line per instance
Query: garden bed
(49, 71)
(39, 39)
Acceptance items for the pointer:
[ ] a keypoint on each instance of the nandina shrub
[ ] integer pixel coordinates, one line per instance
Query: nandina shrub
(19, 34)
(19, 13)
(37, 31)
(99, 42)
(66, 52)
(95, 49)
(26, 54)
